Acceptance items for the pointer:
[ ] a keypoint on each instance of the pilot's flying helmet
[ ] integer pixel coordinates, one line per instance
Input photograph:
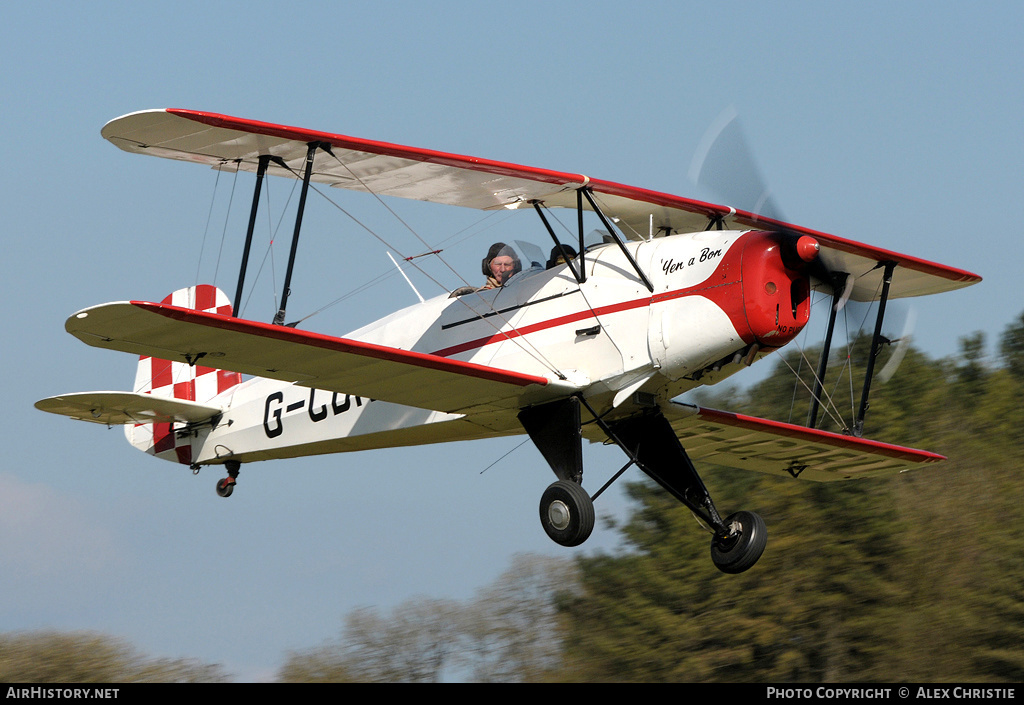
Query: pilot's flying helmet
(500, 249)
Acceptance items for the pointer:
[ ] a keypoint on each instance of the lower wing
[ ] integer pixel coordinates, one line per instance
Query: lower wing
(751, 443)
(310, 359)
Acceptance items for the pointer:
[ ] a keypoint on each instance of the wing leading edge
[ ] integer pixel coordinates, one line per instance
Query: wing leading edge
(309, 359)
(226, 142)
(751, 443)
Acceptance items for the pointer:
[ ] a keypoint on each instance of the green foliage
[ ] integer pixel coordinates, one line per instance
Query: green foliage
(911, 578)
(86, 657)
(914, 578)
(1012, 348)
(509, 632)
(412, 645)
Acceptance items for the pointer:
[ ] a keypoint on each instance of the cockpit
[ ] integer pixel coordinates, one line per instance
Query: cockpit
(508, 263)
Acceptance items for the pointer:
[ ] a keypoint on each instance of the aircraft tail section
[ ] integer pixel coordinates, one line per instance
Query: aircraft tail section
(179, 380)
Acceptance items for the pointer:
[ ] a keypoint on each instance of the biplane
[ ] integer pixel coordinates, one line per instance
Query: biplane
(594, 345)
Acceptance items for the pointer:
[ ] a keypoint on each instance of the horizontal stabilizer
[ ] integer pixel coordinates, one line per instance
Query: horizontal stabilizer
(309, 359)
(750, 443)
(119, 408)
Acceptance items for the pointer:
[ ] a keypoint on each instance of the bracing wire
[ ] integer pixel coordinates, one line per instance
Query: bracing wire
(508, 453)
(827, 407)
(792, 401)
(227, 215)
(818, 380)
(845, 370)
(206, 229)
(470, 230)
(518, 340)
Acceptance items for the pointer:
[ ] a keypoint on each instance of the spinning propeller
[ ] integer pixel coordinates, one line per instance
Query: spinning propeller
(724, 166)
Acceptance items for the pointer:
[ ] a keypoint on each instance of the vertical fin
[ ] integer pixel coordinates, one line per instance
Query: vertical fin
(179, 380)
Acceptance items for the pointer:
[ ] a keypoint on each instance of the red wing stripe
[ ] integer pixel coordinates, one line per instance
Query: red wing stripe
(488, 166)
(634, 193)
(816, 436)
(343, 345)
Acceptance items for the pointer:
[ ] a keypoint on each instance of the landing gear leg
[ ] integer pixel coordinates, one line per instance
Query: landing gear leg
(227, 485)
(649, 440)
(566, 510)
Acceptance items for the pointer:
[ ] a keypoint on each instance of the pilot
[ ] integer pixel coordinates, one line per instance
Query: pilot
(498, 266)
(559, 254)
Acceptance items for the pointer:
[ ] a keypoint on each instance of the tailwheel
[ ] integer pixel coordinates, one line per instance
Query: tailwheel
(226, 485)
(567, 513)
(739, 550)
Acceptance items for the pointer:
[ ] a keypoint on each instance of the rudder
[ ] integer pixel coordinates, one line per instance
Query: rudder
(179, 380)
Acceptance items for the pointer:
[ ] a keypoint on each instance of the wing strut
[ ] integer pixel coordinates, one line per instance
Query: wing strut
(838, 283)
(858, 427)
(579, 227)
(261, 170)
(310, 153)
(561, 248)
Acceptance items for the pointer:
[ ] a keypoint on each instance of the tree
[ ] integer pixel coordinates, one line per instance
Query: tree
(412, 645)
(509, 632)
(914, 577)
(661, 613)
(1012, 347)
(512, 629)
(88, 657)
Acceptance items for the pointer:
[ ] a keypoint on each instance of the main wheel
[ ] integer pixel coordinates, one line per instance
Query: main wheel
(567, 513)
(740, 550)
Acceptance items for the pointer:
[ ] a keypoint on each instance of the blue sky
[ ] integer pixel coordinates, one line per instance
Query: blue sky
(897, 124)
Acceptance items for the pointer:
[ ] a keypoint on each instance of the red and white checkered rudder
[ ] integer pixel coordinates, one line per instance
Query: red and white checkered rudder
(179, 380)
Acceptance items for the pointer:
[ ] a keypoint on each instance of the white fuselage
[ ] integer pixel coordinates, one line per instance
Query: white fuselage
(610, 335)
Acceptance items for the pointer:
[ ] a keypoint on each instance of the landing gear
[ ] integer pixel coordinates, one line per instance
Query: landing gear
(742, 546)
(651, 443)
(566, 510)
(226, 485)
(567, 513)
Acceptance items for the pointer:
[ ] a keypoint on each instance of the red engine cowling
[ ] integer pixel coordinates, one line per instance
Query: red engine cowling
(776, 286)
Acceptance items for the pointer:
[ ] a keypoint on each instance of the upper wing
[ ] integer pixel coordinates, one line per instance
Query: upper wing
(750, 443)
(309, 359)
(233, 143)
(118, 408)
(386, 169)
